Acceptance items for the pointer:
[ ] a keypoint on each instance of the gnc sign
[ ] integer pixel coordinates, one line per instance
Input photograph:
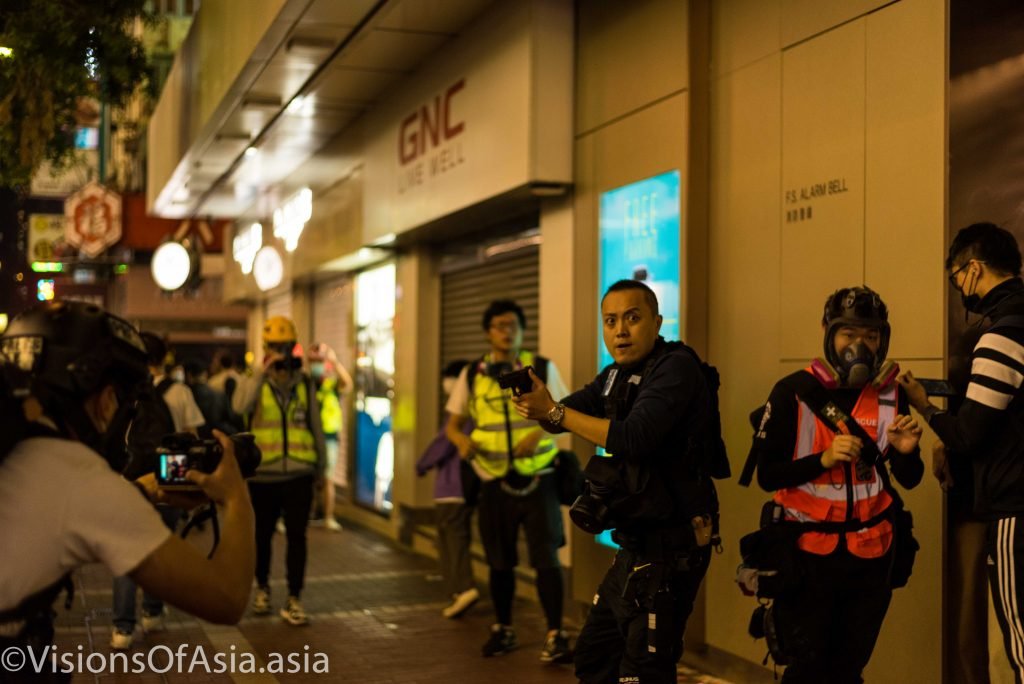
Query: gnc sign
(429, 126)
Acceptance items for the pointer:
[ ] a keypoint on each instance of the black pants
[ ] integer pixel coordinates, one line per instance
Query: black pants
(269, 500)
(615, 644)
(1005, 545)
(832, 621)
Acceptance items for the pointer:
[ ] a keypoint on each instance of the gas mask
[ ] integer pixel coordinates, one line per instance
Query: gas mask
(857, 363)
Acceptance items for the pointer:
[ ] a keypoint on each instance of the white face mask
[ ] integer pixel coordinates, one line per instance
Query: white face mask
(178, 375)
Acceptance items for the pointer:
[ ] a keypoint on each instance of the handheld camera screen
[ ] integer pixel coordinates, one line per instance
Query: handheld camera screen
(172, 469)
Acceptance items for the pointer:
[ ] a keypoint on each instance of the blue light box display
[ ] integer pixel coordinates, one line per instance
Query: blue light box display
(639, 230)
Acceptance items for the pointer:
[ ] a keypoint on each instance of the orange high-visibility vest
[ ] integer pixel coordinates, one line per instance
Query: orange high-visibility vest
(825, 498)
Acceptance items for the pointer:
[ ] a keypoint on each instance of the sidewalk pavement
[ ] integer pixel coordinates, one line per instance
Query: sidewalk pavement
(375, 616)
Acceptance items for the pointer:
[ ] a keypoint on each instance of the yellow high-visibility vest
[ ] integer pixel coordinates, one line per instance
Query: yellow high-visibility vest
(487, 405)
(284, 437)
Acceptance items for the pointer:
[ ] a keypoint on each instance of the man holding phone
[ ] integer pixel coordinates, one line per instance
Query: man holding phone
(515, 462)
(984, 265)
(76, 370)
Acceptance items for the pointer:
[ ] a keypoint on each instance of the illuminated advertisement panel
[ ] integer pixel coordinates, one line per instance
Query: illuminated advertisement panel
(375, 369)
(639, 239)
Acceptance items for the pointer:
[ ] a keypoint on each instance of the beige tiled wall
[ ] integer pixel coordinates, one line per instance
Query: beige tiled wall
(803, 93)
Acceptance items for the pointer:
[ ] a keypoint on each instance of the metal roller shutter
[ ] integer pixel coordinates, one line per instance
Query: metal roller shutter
(465, 293)
(332, 317)
(281, 305)
(332, 323)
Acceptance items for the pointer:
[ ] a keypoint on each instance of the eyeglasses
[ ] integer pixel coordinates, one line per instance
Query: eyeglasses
(953, 275)
(505, 327)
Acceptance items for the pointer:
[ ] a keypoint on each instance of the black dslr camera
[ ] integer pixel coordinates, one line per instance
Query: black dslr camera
(181, 452)
(518, 381)
(590, 510)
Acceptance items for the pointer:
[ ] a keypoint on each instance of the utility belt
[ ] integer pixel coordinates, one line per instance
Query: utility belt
(672, 546)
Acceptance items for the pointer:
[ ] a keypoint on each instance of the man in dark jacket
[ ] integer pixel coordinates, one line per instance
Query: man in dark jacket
(643, 410)
(985, 264)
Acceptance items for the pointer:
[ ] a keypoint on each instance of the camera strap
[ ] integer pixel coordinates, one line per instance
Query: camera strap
(818, 398)
(511, 472)
(205, 513)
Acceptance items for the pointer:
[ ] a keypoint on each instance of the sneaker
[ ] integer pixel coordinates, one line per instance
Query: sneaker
(556, 648)
(293, 613)
(120, 641)
(333, 525)
(462, 603)
(261, 601)
(502, 640)
(153, 623)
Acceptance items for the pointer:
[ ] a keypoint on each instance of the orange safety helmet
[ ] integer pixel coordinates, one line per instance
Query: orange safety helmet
(279, 329)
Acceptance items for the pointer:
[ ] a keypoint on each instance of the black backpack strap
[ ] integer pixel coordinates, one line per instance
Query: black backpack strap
(471, 371)
(807, 388)
(163, 407)
(757, 417)
(820, 401)
(164, 385)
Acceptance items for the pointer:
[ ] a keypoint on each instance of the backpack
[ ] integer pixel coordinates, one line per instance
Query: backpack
(151, 423)
(714, 458)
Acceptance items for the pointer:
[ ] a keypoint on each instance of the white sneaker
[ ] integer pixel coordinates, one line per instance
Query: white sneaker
(462, 603)
(293, 612)
(333, 525)
(120, 641)
(153, 623)
(261, 601)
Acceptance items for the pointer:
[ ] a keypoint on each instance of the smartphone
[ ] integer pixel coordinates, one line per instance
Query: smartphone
(170, 472)
(937, 388)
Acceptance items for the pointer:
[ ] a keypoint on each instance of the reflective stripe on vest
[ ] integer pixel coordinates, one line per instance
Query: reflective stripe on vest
(268, 426)
(824, 499)
(485, 407)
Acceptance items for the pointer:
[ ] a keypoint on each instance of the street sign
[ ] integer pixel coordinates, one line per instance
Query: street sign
(93, 219)
(45, 236)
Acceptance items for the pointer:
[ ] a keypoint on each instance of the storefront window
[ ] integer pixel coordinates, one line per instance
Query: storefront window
(374, 378)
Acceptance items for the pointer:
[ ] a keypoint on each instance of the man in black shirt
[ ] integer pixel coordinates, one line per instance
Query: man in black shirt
(831, 616)
(985, 264)
(645, 410)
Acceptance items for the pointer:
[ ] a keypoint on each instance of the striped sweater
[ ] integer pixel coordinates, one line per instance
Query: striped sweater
(989, 425)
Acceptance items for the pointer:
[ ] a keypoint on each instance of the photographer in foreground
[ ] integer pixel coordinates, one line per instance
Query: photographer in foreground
(73, 370)
(653, 412)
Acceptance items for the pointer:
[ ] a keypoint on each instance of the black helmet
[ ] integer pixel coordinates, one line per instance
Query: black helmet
(66, 350)
(856, 306)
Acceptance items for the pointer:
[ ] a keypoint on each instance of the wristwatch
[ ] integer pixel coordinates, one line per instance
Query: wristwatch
(556, 414)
